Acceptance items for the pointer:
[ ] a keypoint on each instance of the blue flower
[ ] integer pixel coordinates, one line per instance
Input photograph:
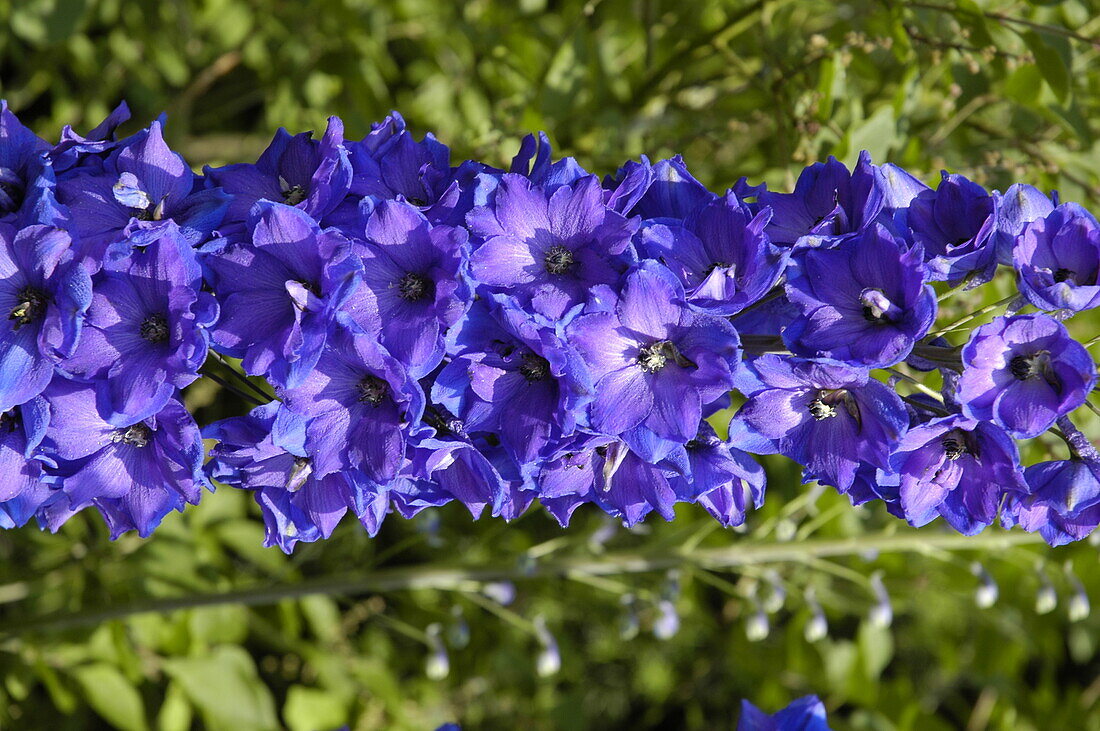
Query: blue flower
(670, 191)
(1062, 502)
(548, 249)
(412, 286)
(43, 298)
(1024, 372)
(27, 179)
(606, 472)
(361, 406)
(720, 254)
(827, 201)
(863, 302)
(954, 224)
(312, 175)
(829, 418)
(24, 481)
(134, 474)
(1057, 260)
(145, 333)
(805, 714)
(141, 184)
(1018, 206)
(264, 452)
(515, 377)
(388, 163)
(655, 363)
(278, 292)
(954, 467)
(719, 475)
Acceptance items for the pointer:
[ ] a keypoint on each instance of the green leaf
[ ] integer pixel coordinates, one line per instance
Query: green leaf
(175, 713)
(112, 696)
(309, 709)
(876, 649)
(1052, 65)
(226, 688)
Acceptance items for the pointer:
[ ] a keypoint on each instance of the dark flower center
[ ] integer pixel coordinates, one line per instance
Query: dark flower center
(9, 421)
(957, 443)
(1063, 274)
(298, 474)
(135, 435)
(294, 195)
(414, 287)
(1026, 367)
(534, 368)
(154, 328)
(716, 265)
(826, 405)
(444, 422)
(11, 191)
(372, 390)
(654, 357)
(821, 410)
(31, 307)
(953, 448)
(877, 308)
(558, 259)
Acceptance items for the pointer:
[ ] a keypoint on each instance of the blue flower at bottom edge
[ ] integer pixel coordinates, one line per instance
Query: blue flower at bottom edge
(805, 714)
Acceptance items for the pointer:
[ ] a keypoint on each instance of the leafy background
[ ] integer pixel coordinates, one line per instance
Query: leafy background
(416, 627)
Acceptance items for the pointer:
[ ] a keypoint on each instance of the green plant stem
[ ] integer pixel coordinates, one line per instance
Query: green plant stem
(977, 313)
(738, 553)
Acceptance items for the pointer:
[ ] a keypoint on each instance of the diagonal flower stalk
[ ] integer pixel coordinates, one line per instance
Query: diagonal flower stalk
(461, 577)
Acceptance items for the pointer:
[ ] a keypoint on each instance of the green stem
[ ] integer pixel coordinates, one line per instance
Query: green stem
(738, 553)
(977, 313)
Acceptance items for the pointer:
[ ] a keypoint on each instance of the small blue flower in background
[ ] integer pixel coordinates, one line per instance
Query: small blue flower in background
(805, 714)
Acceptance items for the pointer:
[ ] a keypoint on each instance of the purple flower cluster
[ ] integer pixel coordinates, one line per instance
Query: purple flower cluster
(433, 333)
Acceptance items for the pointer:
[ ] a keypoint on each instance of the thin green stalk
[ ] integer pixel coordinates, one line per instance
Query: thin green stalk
(973, 315)
(737, 553)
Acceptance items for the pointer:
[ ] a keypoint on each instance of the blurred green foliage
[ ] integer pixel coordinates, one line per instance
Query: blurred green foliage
(1001, 91)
